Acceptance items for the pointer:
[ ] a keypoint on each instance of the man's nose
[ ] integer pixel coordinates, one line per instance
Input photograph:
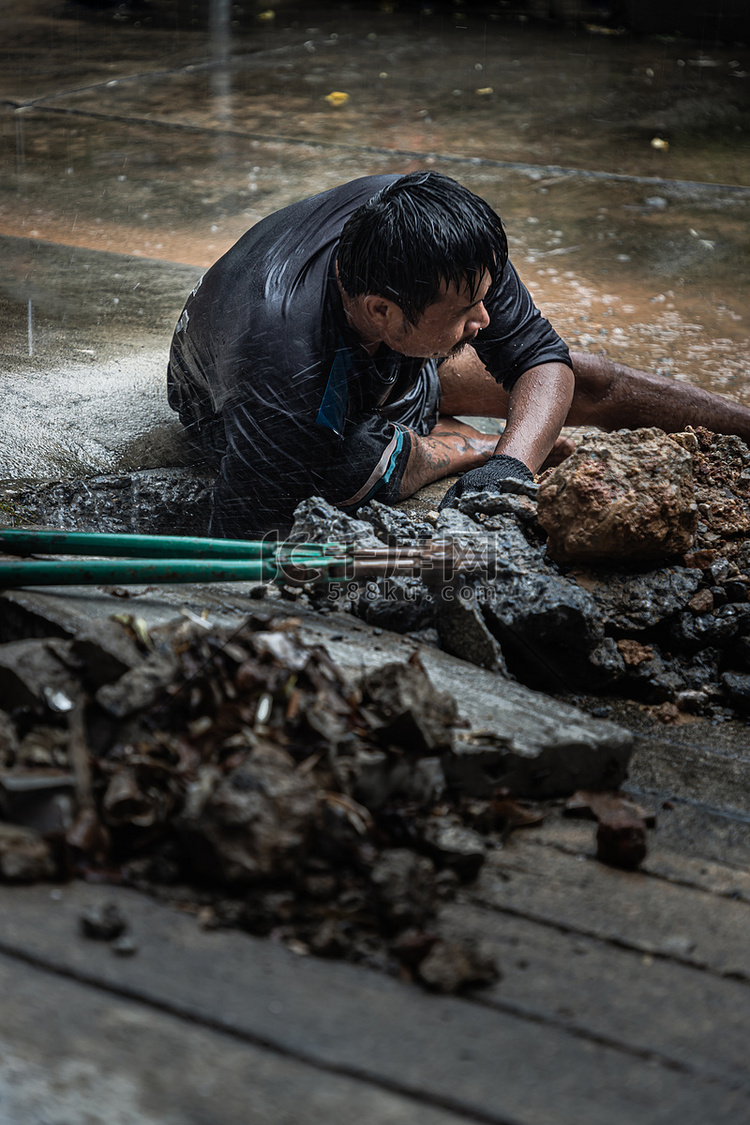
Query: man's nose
(479, 318)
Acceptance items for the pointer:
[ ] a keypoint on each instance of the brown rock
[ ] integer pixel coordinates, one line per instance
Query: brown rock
(628, 495)
(702, 601)
(633, 652)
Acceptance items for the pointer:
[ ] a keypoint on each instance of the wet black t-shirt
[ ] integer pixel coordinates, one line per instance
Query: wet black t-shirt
(266, 371)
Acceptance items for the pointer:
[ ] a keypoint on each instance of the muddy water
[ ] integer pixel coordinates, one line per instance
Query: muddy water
(621, 167)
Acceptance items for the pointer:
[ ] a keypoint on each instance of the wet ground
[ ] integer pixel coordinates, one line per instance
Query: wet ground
(158, 134)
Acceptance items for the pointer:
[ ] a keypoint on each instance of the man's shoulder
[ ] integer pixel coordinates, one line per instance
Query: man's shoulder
(281, 251)
(319, 217)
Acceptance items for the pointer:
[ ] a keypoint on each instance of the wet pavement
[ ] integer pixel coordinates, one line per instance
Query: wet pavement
(621, 166)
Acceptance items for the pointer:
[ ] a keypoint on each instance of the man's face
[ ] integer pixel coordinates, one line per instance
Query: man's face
(446, 326)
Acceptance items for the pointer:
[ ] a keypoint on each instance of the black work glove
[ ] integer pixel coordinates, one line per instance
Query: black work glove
(487, 478)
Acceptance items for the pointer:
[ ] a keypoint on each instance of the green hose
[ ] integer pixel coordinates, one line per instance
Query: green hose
(19, 541)
(151, 559)
(138, 571)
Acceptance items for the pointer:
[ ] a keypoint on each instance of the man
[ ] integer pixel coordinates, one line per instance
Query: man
(329, 351)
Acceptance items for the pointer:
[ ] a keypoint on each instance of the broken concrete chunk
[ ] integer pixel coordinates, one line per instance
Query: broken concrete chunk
(32, 676)
(641, 601)
(656, 679)
(454, 846)
(24, 856)
(518, 499)
(317, 521)
(415, 715)
(738, 686)
(482, 762)
(463, 631)
(690, 632)
(103, 922)
(549, 629)
(535, 612)
(394, 525)
(401, 605)
(404, 886)
(628, 495)
(498, 536)
(374, 776)
(106, 652)
(256, 822)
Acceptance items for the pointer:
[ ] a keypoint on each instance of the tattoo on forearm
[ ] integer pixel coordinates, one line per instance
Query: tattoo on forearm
(448, 449)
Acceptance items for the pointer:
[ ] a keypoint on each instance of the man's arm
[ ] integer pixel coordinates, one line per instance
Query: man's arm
(537, 408)
(451, 447)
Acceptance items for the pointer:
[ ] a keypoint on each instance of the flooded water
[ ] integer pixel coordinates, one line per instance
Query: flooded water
(140, 142)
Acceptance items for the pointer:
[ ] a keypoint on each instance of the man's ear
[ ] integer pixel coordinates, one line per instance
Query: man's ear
(379, 311)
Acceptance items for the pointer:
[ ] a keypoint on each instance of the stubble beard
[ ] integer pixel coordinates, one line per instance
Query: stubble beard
(458, 348)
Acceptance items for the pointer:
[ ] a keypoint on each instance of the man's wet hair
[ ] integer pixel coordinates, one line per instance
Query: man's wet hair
(421, 233)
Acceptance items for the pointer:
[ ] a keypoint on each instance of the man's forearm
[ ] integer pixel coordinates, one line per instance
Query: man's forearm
(537, 408)
(451, 447)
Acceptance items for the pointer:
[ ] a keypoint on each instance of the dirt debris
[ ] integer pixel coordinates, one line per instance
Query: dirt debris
(664, 630)
(237, 785)
(671, 632)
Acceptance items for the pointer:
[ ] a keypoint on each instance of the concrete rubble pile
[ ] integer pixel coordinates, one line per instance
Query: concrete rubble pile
(241, 772)
(625, 572)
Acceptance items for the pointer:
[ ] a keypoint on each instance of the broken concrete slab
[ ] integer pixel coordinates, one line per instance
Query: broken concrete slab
(105, 651)
(515, 737)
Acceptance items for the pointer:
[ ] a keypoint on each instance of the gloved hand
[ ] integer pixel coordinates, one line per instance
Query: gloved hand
(487, 478)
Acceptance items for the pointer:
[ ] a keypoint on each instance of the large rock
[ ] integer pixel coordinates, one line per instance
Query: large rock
(624, 496)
